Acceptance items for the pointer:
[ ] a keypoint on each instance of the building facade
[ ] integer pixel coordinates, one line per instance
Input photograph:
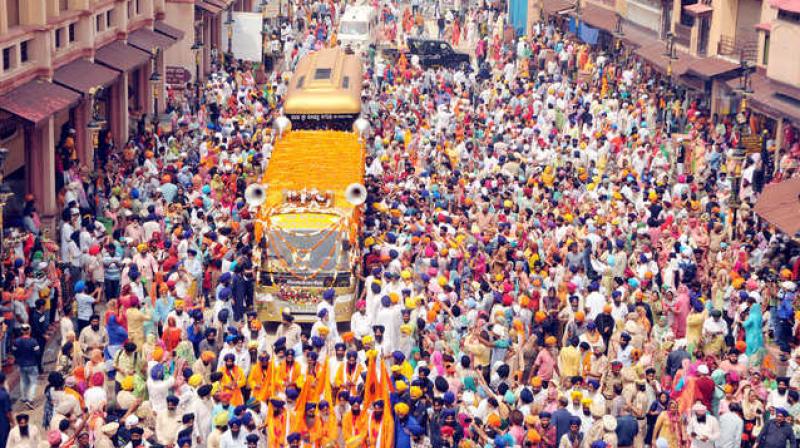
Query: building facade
(714, 42)
(76, 76)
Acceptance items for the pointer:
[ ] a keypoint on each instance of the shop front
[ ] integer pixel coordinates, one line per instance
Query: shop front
(92, 81)
(128, 94)
(29, 120)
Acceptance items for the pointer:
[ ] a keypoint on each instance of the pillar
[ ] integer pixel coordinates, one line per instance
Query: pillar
(40, 171)
(118, 102)
(83, 139)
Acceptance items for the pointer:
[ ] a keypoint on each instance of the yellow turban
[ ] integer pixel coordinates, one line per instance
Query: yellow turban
(415, 392)
(406, 329)
(586, 402)
(401, 409)
(127, 383)
(323, 330)
(405, 274)
(158, 353)
(367, 339)
(411, 303)
(401, 386)
(195, 380)
(576, 395)
(221, 419)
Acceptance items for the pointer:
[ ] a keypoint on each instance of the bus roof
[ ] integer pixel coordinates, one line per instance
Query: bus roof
(322, 160)
(327, 81)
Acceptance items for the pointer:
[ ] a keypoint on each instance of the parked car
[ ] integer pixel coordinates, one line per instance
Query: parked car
(431, 53)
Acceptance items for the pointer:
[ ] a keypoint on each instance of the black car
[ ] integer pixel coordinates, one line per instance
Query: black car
(431, 53)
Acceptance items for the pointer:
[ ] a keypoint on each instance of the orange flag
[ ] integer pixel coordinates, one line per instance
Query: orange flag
(323, 386)
(371, 383)
(387, 429)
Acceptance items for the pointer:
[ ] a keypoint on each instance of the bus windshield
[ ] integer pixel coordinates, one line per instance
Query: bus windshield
(353, 28)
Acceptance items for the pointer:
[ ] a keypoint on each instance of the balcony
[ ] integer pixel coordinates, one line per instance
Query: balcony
(739, 47)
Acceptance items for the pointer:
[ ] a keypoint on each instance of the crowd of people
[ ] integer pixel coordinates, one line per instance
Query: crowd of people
(543, 266)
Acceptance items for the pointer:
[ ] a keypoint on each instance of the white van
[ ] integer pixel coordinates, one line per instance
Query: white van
(358, 27)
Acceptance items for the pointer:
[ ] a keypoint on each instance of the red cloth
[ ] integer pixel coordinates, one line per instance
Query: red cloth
(704, 390)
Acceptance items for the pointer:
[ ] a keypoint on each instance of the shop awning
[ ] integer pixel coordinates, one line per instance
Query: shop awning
(771, 97)
(552, 7)
(37, 100)
(161, 27)
(599, 17)
(82, 75)
(712, 67)
(779, 204)
(146, 40)
(120, 56)
(208, 6)
(654, 55)
(698, 9)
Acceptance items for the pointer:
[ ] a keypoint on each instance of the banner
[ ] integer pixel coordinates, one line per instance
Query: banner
(247, 41)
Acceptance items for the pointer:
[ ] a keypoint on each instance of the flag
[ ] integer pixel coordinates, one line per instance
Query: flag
(371, 382)
(387, 428)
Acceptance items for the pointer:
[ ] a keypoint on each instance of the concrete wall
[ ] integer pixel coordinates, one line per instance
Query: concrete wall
(181, 16)
(784, 65)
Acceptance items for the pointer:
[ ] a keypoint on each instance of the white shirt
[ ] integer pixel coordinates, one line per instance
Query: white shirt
(709, 429)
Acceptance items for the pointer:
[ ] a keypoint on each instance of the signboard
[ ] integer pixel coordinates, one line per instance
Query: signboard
(752, 143)
(177, 75)
(246, 41)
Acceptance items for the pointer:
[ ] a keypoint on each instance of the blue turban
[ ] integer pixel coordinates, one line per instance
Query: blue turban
(157, 372)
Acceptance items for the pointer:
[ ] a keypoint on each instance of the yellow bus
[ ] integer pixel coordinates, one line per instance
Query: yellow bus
(325, 91)
(309, 222)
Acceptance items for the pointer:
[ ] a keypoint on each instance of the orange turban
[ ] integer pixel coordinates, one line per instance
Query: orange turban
(207, 356)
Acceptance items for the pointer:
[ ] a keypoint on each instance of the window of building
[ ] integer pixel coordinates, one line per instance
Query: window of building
(765, 53)
(138, 4)
(59, 37)
(686, 18)
(71, 32)
(8, 58)
(110, 18)
(63, 5)
(99, 23)
(23, 52)
(12, 13)
(130, 9)
(788, 16)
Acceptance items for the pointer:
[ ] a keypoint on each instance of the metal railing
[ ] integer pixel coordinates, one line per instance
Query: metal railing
(730, 46)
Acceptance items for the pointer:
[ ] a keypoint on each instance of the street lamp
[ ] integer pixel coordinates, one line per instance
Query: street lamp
(229, 23)
(155, 78)
(96, 122)
(740, 152)
(618, 32)
(197, 49)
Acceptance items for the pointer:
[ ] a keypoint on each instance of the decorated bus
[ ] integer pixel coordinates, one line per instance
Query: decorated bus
(309, 201)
